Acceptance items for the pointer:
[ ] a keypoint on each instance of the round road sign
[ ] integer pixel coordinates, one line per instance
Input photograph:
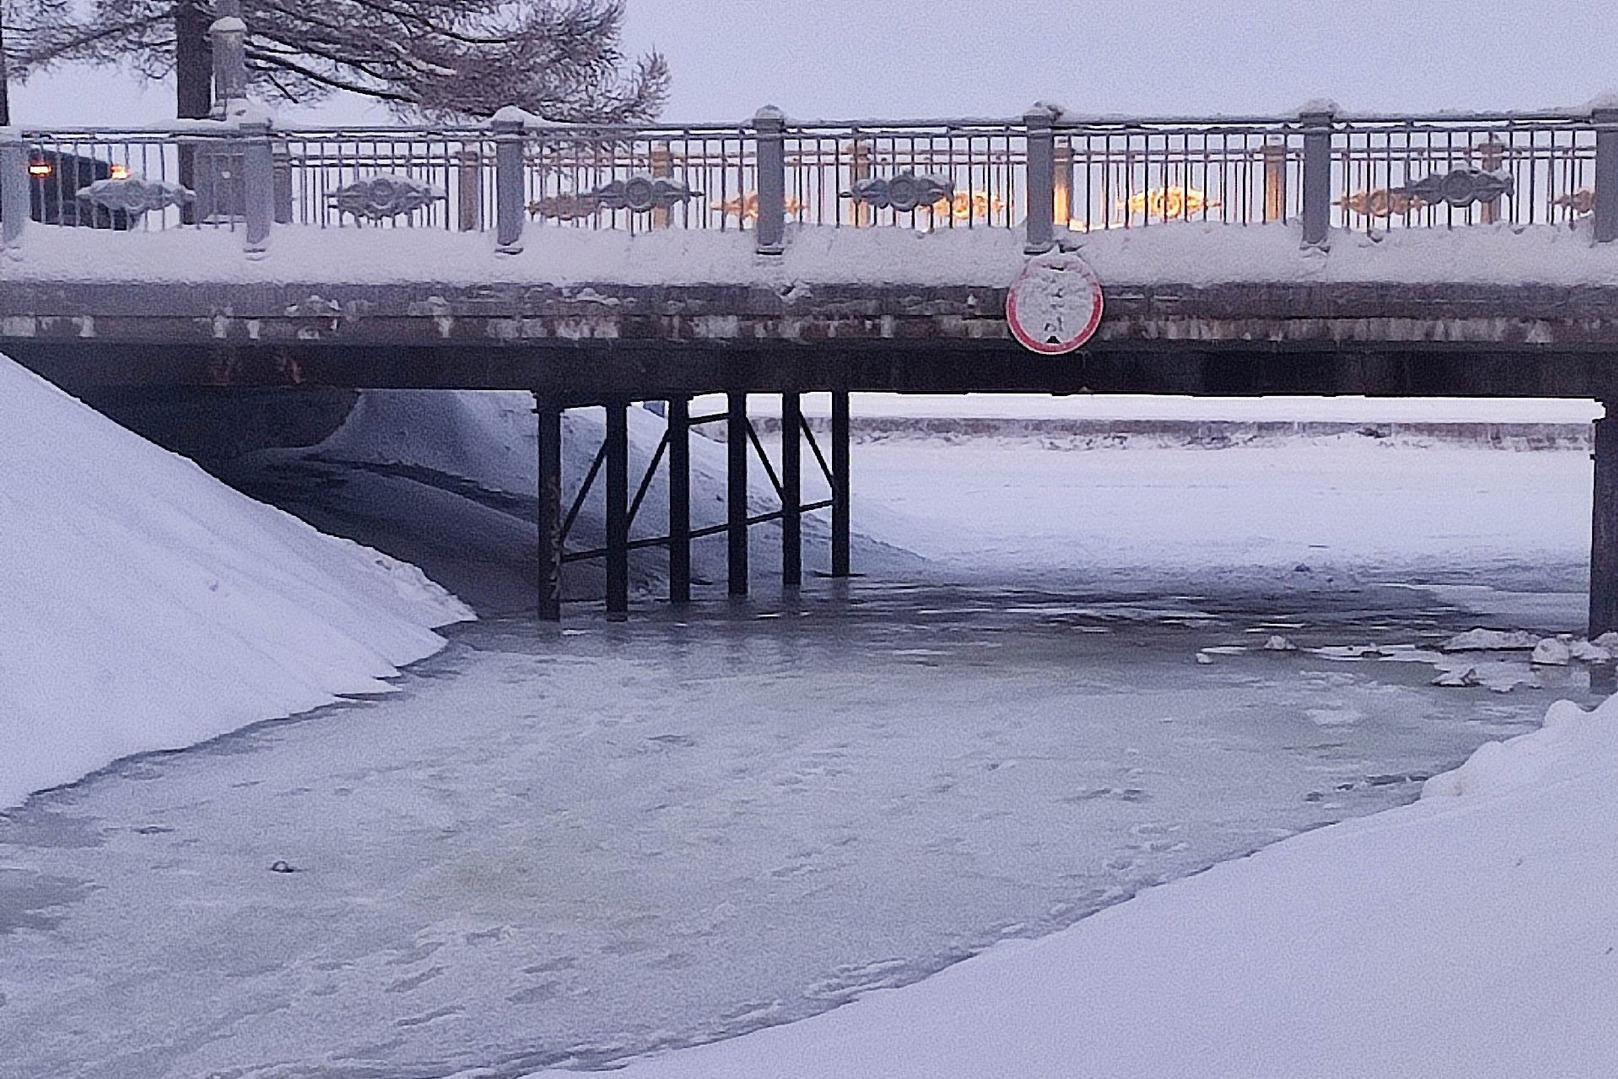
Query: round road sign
(1055, 305)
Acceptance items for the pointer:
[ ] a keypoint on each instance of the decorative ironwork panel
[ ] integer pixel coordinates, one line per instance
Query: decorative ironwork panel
(383, 196)
(1460, 187)
(642, 194)
(904, 192)
(134, 195)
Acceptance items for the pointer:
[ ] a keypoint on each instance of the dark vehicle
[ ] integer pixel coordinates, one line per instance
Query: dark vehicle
(54, 181)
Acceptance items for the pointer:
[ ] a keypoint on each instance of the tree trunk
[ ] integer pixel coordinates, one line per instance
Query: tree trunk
(193, 84)
(193, 60)
(5, 83)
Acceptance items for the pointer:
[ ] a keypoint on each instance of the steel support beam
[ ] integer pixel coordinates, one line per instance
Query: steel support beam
(791, 491)
(679, 436)
(549, 516)
(617, 434)
(1604, 527)
(736, 490)
(839, 484)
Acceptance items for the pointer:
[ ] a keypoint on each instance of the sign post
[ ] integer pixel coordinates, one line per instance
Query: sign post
(1055, 305)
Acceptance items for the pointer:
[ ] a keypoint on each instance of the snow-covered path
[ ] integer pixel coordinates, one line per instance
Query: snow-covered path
(551, 849)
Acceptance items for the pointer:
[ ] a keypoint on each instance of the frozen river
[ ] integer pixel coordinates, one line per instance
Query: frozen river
(575, 847)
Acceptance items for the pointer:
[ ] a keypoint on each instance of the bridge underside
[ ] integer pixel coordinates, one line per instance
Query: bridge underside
(609, 345)
(593, 343)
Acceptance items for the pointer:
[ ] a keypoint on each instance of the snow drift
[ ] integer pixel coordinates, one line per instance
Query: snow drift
(146, 606)
(1468, 934)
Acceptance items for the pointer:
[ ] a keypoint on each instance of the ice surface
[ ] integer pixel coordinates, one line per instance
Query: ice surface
(1467, 935)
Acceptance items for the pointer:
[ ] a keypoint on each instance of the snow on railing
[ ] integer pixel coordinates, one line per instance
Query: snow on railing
(1048, 171)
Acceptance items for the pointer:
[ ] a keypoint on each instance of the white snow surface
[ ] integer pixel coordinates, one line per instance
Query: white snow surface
(147, 606)
(1468, 934)
(1189, 253)
(1169, 408)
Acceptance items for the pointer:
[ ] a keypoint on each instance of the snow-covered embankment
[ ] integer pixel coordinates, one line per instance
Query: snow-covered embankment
(144, 605)
(1473, 933)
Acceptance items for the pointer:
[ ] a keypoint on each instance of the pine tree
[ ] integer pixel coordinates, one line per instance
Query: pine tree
(438, 59)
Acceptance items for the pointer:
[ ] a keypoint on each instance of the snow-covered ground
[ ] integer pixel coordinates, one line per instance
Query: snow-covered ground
(553, 849)
(1168, 408)
(147, 606)
(1190, 253)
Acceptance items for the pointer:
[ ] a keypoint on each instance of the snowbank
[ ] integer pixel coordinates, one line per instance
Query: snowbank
(1469, 934)
(146, 606)
(1186, 253)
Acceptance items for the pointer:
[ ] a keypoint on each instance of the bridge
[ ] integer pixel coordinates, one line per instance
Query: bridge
(1317, 253)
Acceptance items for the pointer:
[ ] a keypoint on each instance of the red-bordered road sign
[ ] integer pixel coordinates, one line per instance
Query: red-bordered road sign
(1055, 304)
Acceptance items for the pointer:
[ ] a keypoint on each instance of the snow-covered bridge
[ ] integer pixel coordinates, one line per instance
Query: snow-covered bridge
(1318, 252)
(1322, 252)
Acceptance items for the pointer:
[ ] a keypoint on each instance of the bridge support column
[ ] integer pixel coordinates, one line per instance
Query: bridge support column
(736, 490)
(617, 434)
(791, 491)
(839, 484)
(1604, 526)
(549, 518)
(679, 435)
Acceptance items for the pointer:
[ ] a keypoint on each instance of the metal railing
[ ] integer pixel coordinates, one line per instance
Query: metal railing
(1041, 173)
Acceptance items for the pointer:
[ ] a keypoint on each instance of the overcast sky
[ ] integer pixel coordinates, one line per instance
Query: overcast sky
(910, 58)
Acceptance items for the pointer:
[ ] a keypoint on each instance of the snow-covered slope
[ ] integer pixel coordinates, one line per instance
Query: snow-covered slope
(144, 605)
(1469, 934)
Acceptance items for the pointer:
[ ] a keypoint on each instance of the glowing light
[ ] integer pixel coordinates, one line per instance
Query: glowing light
(39, 168)
(1381, 202)
(1167, 202)
(967, 206)
(745, 207)
(120, 172)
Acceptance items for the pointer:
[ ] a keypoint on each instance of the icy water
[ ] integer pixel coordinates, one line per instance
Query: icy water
(575, 847)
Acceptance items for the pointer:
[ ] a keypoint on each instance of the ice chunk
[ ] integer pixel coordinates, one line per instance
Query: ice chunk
(1467, 677)
(1551, 652)
(1490, 640)
(1590, 652)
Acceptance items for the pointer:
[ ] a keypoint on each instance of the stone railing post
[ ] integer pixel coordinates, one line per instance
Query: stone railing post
(1606, 183)
(258, 182)
(508, 182)
(228, 43)
(769, 132)
(1041, 178)
(14, 201)
(1317, 124)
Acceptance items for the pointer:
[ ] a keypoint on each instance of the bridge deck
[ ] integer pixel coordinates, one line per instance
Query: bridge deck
(1190, 309)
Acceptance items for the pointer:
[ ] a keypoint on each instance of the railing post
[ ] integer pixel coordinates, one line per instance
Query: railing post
(1317, 124)
(258, 182)
(14, 201)
(1041, 178)
(769, 131)
(1606, 208)
(508, 182)
(228, 43)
